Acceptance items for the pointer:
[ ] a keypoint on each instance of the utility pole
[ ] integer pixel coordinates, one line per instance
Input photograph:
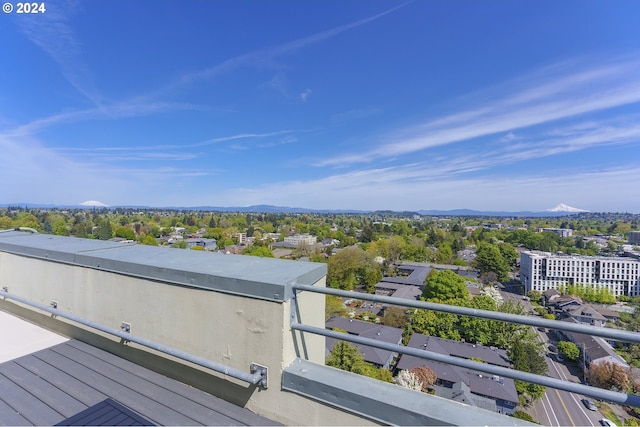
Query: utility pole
(584, 364)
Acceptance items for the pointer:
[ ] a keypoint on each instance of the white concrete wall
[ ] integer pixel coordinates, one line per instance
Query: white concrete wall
(229, 329)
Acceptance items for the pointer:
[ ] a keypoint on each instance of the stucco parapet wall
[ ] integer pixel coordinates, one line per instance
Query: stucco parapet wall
(254, 277)
(382, 402)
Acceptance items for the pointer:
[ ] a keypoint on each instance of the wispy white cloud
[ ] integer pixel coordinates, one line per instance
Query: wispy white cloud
(105, 112)
(567, 96)
(264, 58)
(411, 188)
(51, 32)
(305, 95)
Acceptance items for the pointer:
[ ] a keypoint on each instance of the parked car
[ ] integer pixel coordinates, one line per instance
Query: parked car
(559, 357)
(607, 423)
(589, 405)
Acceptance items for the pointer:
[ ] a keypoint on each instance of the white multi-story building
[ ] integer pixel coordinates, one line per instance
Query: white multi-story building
(299, 239)
(562, 232)
(540, 271)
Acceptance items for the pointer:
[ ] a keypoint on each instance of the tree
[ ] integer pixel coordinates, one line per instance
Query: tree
(260, 251)
(352, 267)
(442, 325)
(125, 233)
(149, 240)
(527, 357)
(334, 307)
(395, 317)
(608, 375)
(60, 228)
(490, 259)
(445, 285)
(569, 349)
(523, 416)
(425, 375)
(348, 358)
(408, 379)
(103, 230)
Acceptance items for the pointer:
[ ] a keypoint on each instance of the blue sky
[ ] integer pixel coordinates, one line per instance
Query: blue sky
(487, 105)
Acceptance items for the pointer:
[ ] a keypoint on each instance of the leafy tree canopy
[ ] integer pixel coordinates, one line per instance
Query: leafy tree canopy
(444, 286)
(352, 267)
(490, 259)
(260, 251)
(569, 349)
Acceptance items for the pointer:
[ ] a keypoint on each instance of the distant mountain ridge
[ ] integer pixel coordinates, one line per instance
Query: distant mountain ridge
(560, 210)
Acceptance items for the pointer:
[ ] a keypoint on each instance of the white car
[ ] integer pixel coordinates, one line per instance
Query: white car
(607, 423)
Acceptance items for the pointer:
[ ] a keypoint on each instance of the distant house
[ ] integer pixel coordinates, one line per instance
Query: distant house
(550, 295)
(593, 349)
(207, 244)
(586, 314)
(473, 387)
(610, 315)
(330, 242)
(376, 356)
(567, 303)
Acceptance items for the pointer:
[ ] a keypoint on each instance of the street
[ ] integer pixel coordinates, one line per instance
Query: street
(556, 408)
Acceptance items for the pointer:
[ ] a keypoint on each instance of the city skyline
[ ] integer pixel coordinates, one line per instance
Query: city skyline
(489, 106)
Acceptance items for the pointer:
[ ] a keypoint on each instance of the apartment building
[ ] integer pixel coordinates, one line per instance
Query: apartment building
(540, 271)
(299, 239)
(562, 232)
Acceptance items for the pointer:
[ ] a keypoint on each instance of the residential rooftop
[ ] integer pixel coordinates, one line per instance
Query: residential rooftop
(205, 323)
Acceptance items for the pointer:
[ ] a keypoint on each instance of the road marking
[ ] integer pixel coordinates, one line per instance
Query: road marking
(565, 408)
(562, 376)
(548, 401)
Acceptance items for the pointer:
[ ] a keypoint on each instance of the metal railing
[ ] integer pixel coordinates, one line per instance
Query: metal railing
(258, 375)
(598, 393)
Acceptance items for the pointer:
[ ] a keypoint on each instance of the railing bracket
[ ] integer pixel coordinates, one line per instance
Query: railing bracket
(263, 370)
(126, 327)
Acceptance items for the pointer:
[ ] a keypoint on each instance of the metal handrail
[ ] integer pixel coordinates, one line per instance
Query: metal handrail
(598, 393)
(258, 375)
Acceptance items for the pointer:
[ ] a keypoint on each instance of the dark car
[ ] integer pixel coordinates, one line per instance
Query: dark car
(589, 404)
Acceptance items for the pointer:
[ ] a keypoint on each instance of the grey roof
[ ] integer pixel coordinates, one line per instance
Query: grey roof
(389, 286)
(374, 331)
(552, 293)
(52, 385)
(416, 275)
(479, 383)
(586, 311)
(606, 312)
(408, 292)
(257, 277)
(490, 355)
(595, 347)
(567, 300)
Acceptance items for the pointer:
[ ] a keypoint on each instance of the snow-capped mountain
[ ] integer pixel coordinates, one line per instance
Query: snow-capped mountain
(565, 208)
(93, 203)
